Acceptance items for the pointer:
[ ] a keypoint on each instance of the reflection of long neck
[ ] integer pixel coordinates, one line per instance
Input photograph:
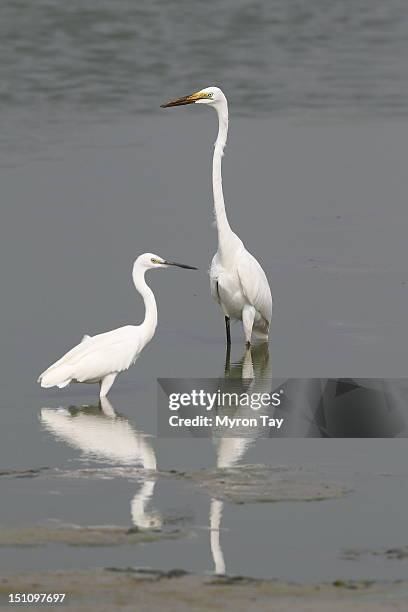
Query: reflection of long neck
(149, 324)
(223, 227)
(139, 503)
(216, 550)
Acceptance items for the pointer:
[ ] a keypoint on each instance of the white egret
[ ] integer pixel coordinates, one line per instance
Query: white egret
(101, 358)
(238, 283)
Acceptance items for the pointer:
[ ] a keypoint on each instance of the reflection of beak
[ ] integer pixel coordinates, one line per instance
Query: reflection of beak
(185, 100)
(179, 265)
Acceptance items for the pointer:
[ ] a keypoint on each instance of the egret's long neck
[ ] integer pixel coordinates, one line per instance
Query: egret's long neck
(223, 227)
(150, 321)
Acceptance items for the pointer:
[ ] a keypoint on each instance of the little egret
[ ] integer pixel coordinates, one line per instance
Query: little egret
(101, 358)
(238, 283)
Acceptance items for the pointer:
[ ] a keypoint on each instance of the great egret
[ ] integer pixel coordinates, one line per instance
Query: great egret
(238, 283)
(101, 358)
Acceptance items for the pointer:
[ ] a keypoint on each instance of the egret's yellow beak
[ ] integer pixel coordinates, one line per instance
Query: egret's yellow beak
(199, 95)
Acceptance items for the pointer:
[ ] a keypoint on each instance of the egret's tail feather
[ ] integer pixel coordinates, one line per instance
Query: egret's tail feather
(63, 384)
(56, 377)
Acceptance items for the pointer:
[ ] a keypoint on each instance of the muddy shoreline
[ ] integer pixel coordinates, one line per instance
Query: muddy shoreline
(112, 589)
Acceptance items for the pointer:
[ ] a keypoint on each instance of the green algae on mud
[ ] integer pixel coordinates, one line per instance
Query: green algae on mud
(75, 535)
(397, 553)
(28, 473)
(263, 484)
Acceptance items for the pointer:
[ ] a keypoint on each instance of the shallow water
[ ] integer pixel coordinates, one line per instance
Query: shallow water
(97, 484)
(315, 182)
(270, 56)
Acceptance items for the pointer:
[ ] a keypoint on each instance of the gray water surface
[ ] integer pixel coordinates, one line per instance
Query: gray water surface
(283, 55)
(93, 173)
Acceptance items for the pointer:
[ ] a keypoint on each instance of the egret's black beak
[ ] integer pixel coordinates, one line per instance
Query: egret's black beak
(194, 97)
(180, 101)
(179, 265)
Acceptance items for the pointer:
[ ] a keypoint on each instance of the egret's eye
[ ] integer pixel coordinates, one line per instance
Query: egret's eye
(154, 261)
(210, 94)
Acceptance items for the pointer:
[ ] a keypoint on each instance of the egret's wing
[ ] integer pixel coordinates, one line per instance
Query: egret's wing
(114, 352)
(93, 358)
(214, 279)
(255, 285)
(76, 350)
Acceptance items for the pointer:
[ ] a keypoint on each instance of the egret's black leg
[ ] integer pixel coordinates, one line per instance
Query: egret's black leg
(228, 330)
(227, 360)
(248, 344)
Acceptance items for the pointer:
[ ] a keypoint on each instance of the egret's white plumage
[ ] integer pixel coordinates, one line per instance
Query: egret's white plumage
(238, 282)
(101, 358)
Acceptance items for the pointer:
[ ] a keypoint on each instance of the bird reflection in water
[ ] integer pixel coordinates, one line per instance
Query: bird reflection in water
(254, 372)
(101, 434)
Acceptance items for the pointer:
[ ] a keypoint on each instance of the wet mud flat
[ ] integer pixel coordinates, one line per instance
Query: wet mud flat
(263, 484)
(123, 561)
(112, 589)
(79, 535)
(239, 485)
